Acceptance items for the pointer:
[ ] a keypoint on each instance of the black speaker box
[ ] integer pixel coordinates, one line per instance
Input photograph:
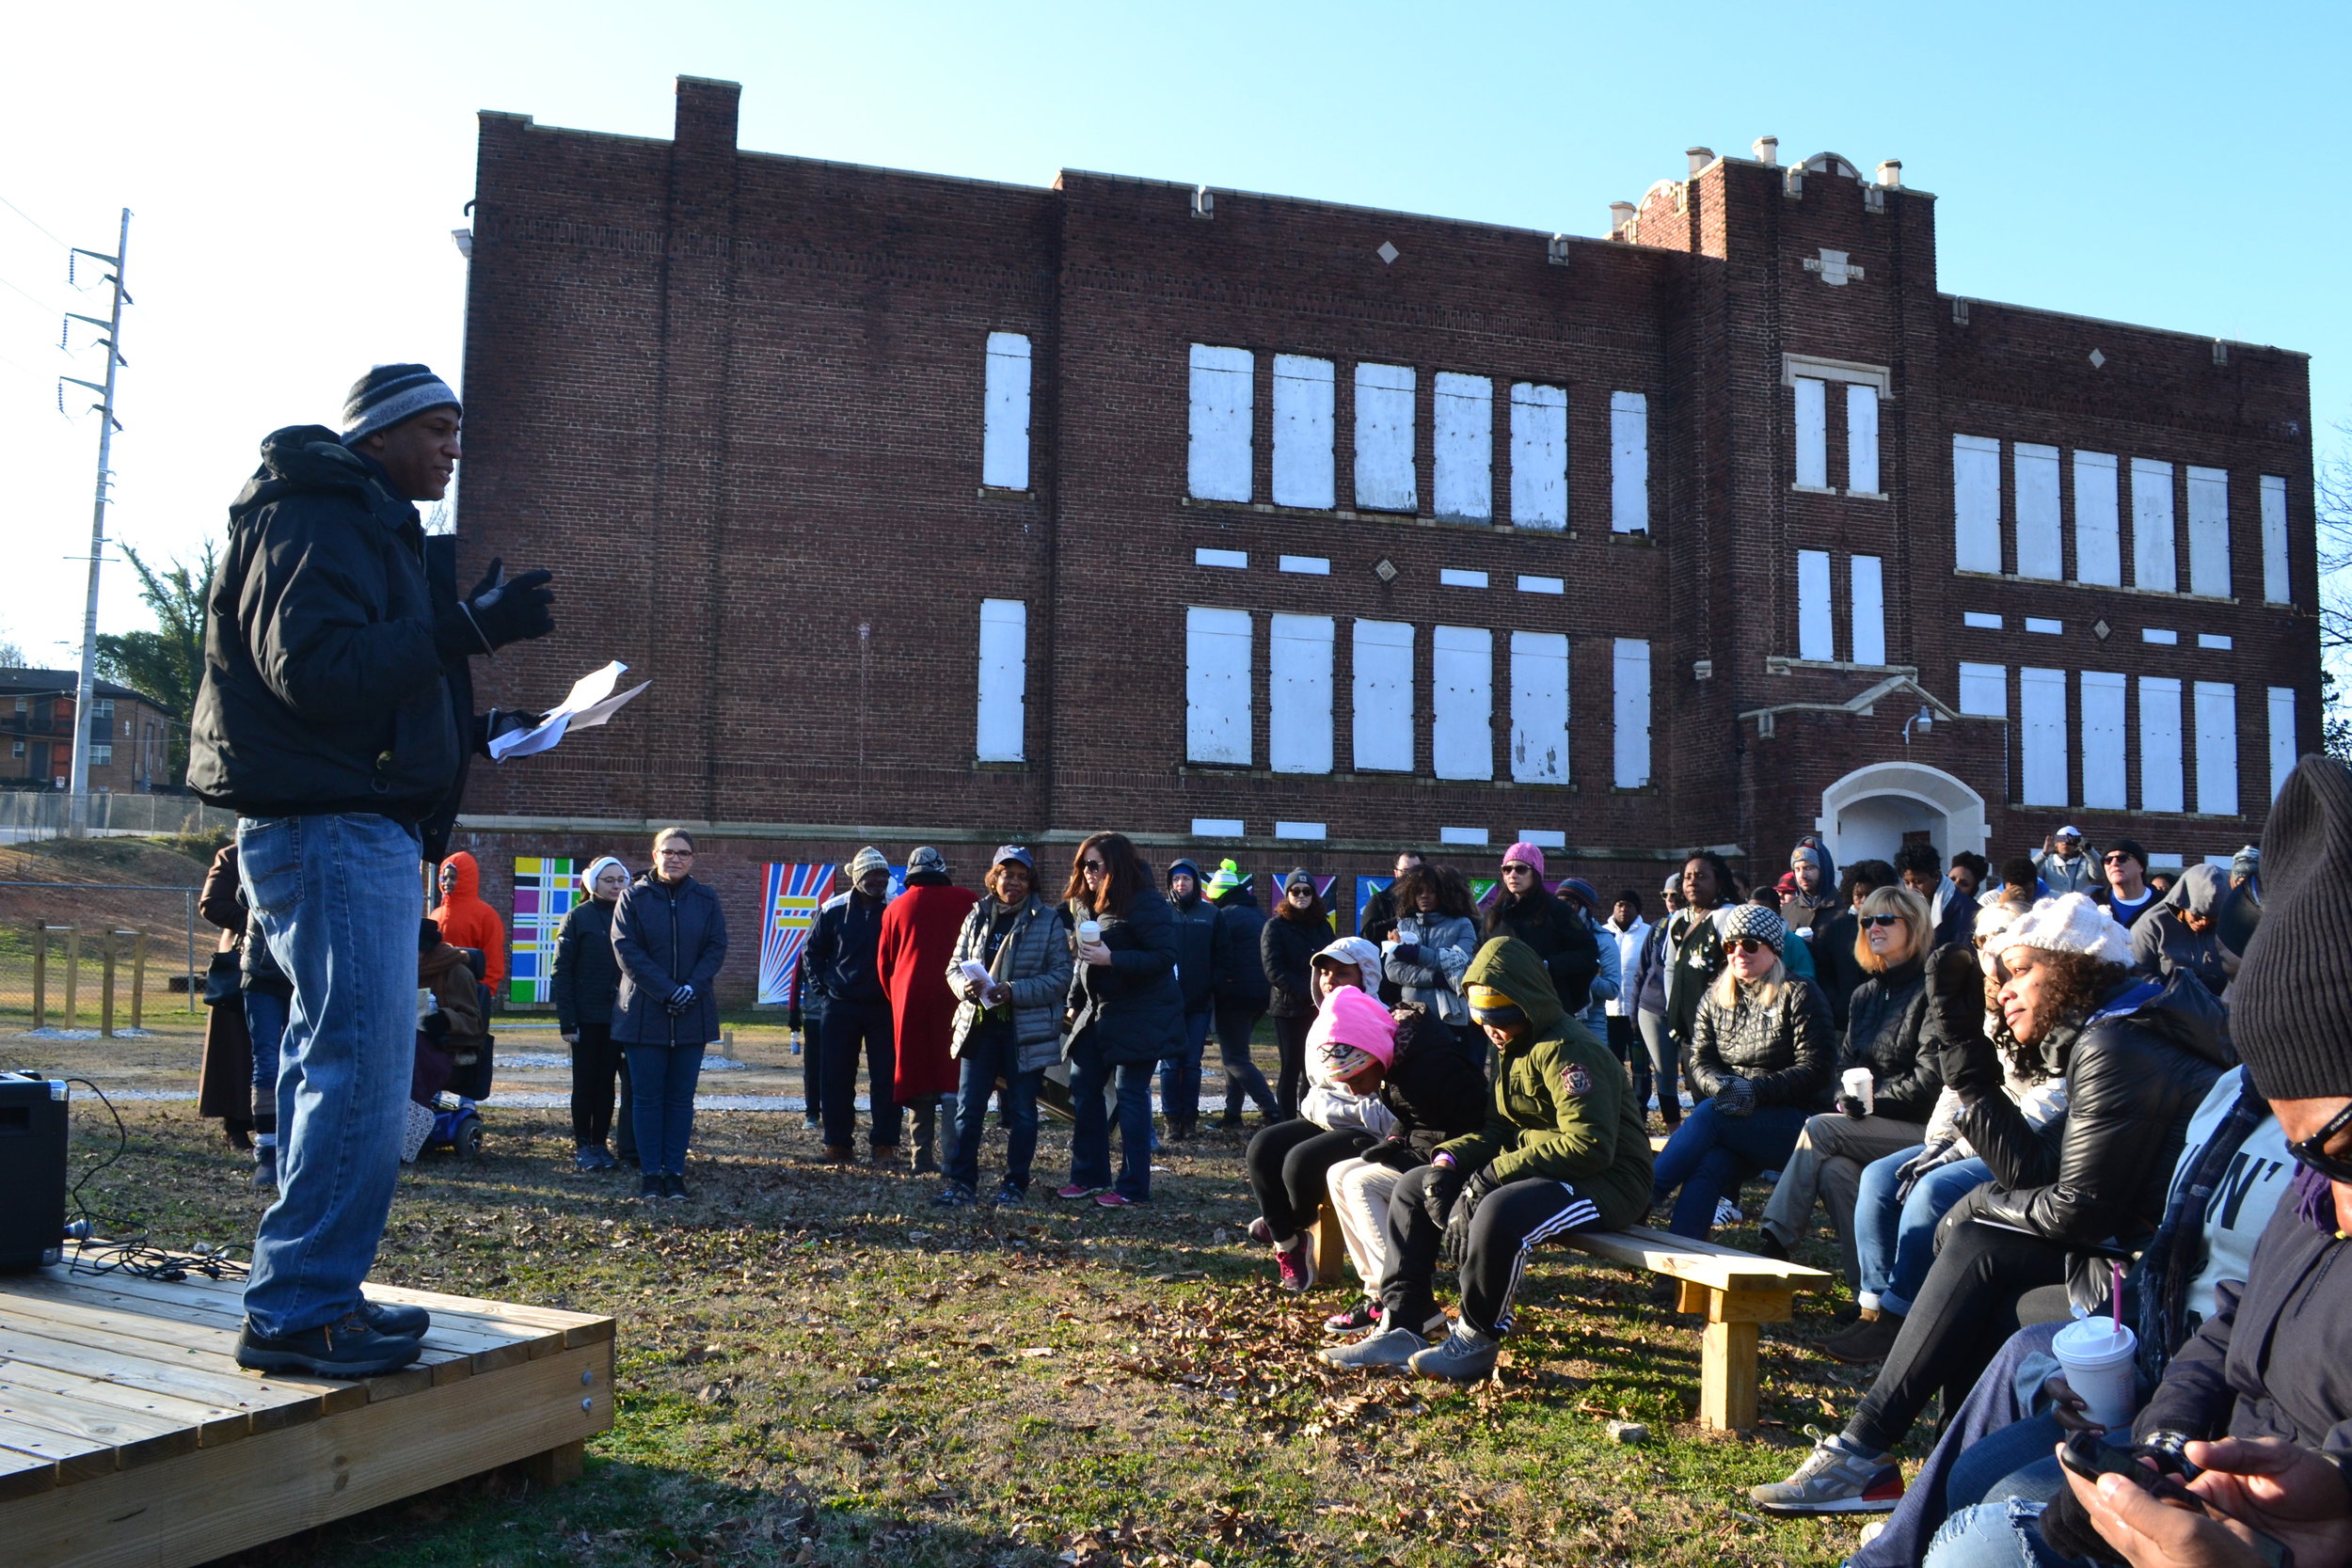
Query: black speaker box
(32, 1167)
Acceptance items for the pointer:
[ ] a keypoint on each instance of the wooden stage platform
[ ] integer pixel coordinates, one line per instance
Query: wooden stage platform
(129, 1434)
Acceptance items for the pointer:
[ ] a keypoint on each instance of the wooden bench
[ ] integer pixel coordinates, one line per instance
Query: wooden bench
(1735, 1290)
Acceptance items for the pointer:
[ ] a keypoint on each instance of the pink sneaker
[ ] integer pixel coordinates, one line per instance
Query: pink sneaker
(1077, 1189)
(1298, 1268)
(1260, 1232)
(1113, 1200)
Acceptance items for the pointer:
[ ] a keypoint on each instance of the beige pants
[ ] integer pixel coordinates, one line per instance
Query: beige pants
(1359, 1193)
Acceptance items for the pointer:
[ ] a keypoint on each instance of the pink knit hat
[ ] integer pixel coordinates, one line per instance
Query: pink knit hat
(1527, 855)
(1351, 1016)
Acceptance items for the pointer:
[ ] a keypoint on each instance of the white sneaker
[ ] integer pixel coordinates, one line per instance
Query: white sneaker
(1835, 1480)
(1727, 1213)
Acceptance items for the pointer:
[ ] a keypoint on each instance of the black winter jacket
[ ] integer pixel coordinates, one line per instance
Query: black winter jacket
(664, 936)
(1196, 949)
(1237, 969)
(1784, 1051)
(843, 956)
(1836, 967)
(1884, 1030)
(1286, 949)
(1560, 936)
(324, 686)
(1130, 1010)
(1379, 922)
(586, 976)
(1435, 1086)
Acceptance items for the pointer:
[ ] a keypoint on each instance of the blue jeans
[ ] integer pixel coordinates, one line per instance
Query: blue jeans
(990, 1053)
(338, 899)
(1090, 1139)
(663, 1080)
(1234, 1027)
(1710, 1154)
(2004, 1534)
(1894, 1242)
(265, 1024)
(1179, 1076)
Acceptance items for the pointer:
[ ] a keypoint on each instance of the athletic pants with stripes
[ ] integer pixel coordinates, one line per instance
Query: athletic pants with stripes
(1511, 1220)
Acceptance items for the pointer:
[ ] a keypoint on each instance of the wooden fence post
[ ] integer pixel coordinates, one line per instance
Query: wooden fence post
(138, 980)
(40, 974)
(72, 972)
(106, 983)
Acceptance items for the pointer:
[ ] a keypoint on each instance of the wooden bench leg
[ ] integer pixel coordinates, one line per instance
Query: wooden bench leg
(1727, 1373)
(1330, 1243)
(554, 1467)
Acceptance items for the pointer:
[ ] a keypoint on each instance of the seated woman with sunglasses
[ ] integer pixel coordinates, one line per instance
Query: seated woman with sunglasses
(1762, 1052)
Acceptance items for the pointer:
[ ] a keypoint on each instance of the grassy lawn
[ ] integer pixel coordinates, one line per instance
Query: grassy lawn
(815, 1367)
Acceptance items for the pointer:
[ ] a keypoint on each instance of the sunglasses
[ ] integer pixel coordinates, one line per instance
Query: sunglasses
(1093, 865)
(1882, 920)
(1750, 944)
(2311, 1152)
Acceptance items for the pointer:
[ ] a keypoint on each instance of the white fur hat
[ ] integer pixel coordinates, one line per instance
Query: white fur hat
(2070, 924)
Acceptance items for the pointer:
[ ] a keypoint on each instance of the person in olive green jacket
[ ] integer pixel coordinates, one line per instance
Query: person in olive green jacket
(1564, 1149)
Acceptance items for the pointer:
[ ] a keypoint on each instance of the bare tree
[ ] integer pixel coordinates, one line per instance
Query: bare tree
(2332, 484)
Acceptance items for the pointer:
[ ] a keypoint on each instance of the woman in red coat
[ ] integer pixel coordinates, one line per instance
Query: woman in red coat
(918, 941)
(466, 921)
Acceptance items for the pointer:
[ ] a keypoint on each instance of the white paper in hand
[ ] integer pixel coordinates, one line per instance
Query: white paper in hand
(591, 702)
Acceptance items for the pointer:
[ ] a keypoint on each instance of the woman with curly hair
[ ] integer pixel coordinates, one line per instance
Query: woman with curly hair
(1125, 1013)
(1433, 944)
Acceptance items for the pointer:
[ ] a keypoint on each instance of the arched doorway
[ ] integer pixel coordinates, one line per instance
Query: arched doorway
(1866, 814)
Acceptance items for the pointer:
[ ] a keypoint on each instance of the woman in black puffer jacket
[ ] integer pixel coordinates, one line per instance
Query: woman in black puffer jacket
(670, 938)
(1126, 1012)
(1286, 945)
(586, 980)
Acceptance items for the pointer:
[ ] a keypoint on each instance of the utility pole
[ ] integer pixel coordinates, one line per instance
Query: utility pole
(86, 693)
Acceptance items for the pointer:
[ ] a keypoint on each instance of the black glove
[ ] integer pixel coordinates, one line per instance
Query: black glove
(1954, 1032)
(436, 1026)
(1394, 1154)
(1454, 1246)
(1446, 1183)
(680, 1000)
(512, 610)
(1735, 1097)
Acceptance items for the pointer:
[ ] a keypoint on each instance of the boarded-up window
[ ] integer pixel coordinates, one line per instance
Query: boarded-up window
(1461, 698)
(1462, 446)
(1298, 694)
(1539, 708)
(1815, 635)
(2098, 550)
(1862, 439)
(2039, 549)
(1869, 611)
(1984, 690)
(2217, 747)
(2276, 585)
(1976, 503)
(2106, 777)
(1630, 713)
(1216, 685)
(1384, 439)
(2282, 743)
(2209, 532)
(2152, 527)
(1004, 679)
(2160, 744)
(1303, 470)
(1383, 657)
(1539, 456)
(1628, 463)
(2041, 736)
(1219, 465)
(1004, 431)
(1812, 433)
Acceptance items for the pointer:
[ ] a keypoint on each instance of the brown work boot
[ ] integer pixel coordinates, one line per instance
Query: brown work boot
(1866, 1342)
(885, 1154)
(840, 1154)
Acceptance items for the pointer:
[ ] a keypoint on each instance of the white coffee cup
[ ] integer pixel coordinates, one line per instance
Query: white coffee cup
(1090, 932)
(2098, 1355)
(1859, 1085)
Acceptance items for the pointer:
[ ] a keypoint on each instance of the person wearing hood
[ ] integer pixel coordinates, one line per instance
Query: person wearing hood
(1125, 1012)
(467, 921)
(336, 653)
(2182, 933)
(1563, 1149)
(1300, 928)
(2138, 1057)
(843, 975)
(1008, 1025)
(1196, 976)
(1814, 898)
(1239, 983)
(2244, 865)
(670, 938)
(1350, 1046)
(1560, 932)
(586, 981)
(919, 932)
(1434, 943)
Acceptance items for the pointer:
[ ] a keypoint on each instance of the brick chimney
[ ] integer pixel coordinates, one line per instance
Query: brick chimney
(706, 114)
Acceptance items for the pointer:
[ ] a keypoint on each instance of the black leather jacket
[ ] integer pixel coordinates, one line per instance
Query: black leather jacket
(1884, 1024)
(1784, 1051)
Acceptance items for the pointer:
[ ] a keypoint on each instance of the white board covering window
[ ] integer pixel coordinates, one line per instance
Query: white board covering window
(2160, 744)
(2040, 552)
(1816, 638)
(2098, 550)
(1383, 657)
(2209, 532)
(2276, 589)
(1812, 433)
(1216, 685)
(1629, 683)
(2041, 736)
(1384, 439)
(2151, 528)
(1870, 609)
(1862, 439)
(1461, 700)
(1984, 690)
(2106, 777)
(1539, 456)
(1298, 694)
(2217, 747)
(1628, 463)
(1303, 467)
(1539, 708)
(1976, 503)
(1462, 448)
(1004, 679)
(1218, 465)
(2282, 746)
(1005, 429)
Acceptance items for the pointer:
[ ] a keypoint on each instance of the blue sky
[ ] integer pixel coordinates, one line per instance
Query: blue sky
(295, 170)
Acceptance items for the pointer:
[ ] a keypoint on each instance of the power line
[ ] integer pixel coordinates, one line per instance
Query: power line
(28, 218)
(45, 304)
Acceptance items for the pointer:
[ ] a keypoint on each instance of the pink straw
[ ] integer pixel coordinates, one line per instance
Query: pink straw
(2115, 1296)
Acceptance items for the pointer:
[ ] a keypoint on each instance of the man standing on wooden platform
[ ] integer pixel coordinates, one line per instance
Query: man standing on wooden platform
(329, 719)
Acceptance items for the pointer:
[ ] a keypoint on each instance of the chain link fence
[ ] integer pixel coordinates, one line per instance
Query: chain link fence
(101, 957)
(28, 816)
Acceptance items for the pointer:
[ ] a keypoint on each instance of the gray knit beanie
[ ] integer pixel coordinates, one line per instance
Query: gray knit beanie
(2290, 1009)
(1755, 920)
(391, 394)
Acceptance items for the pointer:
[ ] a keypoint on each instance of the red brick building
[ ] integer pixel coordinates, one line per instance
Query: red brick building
(941, 511)
(130, 737)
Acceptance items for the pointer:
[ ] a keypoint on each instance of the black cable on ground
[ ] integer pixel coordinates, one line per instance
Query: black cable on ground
(133, 1254)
